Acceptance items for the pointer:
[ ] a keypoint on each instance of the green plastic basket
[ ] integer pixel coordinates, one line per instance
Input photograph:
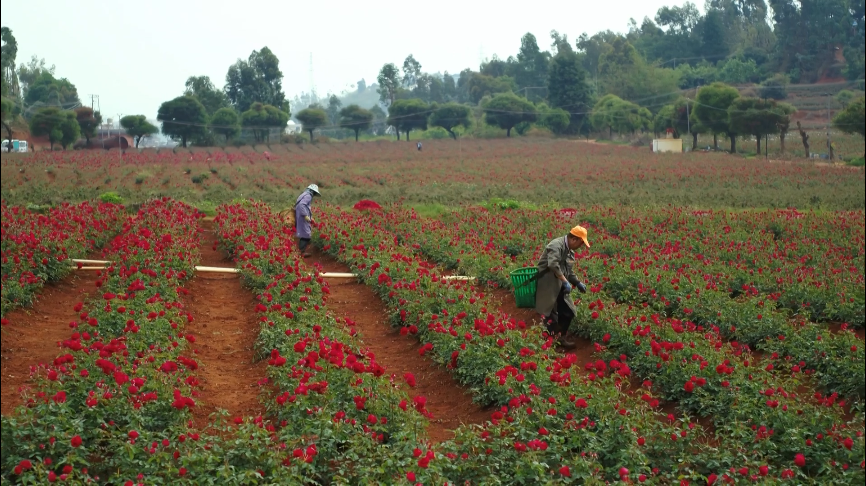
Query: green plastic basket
(525, 294)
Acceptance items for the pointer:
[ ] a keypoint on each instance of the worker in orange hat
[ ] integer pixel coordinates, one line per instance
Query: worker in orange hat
(556, 279)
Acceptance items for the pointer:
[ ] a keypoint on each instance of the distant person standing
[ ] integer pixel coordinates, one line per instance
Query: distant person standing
(419, 146)
(304, 218)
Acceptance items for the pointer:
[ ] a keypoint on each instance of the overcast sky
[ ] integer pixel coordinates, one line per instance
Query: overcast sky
(135, 55)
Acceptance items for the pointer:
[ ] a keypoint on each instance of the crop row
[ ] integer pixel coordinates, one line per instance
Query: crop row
(744, 385)
(419, 299)
(36, 247)
(652, 279)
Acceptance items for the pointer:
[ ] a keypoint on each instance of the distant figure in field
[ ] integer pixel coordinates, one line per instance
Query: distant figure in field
(419, 146)
(304, 218)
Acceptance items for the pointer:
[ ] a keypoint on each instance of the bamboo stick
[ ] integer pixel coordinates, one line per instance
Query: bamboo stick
(77, 260)
(217, 269)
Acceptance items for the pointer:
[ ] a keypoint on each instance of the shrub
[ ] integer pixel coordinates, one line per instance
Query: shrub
(111, 197)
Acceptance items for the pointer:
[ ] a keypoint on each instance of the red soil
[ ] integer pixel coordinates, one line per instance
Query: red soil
(33, 335)
(226, 329)
(449, 402)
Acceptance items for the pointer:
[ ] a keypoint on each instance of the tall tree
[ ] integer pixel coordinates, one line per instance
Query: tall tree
(506, 110)
(61, 126)
(355, 118)
(183, 118)
(8, 53)
(10, 110)
(312, 119)
(619, 115)
(137, 127)
(256, 79)
(532, 67)
(567, 88)
(481, 85)
(754, 116)
(785, 110)
(711, 108)
(411, 72)
(853, 118)
(88, 121)
(389, 82)
(450, 116)
(29, 72)
(203, 89)
(408, 115)
(48, 90)
(334, 107)
(226, 122)
(261, 118)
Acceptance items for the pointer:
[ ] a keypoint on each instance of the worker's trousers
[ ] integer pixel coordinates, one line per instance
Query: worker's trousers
(561, 316)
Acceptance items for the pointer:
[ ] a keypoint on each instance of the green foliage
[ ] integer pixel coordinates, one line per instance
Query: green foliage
(8, 53)
(111, 197)
(843, 97)
(775, 87)
(556, 120)
(48, 90)
(261, 118)
(853, 118)
(619, 115)
(60, 126)
(449, 116)
(738, 71)
(389, 82)
(712, 105)
(568, 90)
(10, 109)
(183, 118)
(356, 119)
(507, 110)
(256, 79)
(226, 122)
(203, 89)
(138, 127)
(481, 85)
(408, 115)
(754, 116)
(88, 121)
(312, 119)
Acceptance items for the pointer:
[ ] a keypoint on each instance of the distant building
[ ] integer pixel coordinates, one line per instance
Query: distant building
(293, 127)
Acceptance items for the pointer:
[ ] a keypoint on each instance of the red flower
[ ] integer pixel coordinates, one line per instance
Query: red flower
(800, 460)
(565, 471)
(75, 441)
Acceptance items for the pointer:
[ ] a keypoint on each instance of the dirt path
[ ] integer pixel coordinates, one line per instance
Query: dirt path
(226, 329)
(33, 333)
(450, 403)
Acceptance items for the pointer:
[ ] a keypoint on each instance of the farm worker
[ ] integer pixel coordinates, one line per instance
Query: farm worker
(304, 217)
(556, 279)
(419, 146)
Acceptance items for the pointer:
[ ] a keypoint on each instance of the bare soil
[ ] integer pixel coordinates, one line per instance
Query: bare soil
(226, 330)
(450, 403)
(34, 333)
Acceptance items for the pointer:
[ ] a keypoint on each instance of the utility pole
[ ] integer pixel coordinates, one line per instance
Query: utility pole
(92, 98)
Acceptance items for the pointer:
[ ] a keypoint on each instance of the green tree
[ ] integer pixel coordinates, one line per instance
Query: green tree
(506, 110)
(261, 118)
(256, 79)
(311, 119)
(137, 127)
(556, 120)
(61, 126)
(334, 107)
(380, 119)
(665, 119)
(851, 119)
(532, 66)
(711, 108)
(226, 122)
(48, 90)
(8, 53)
(738, 71)
(568, 90)
(88, 121)
(619, 115)
(203, 89)
(450, 116)
(183, 118)
(10, 110)
(774, 88)
(408, 115)
(355, 118)
(29, 72)
(481, 85)
(785, 110)
(389, 83)
(754, 116)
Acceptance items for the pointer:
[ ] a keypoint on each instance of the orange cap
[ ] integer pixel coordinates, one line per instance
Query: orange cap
(579, 232)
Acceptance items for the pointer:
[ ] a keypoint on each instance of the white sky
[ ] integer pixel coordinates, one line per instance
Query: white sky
(135, 55)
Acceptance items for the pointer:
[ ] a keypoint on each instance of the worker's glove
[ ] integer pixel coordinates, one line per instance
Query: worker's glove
(566, 287)
(308, 219)
(581, 287)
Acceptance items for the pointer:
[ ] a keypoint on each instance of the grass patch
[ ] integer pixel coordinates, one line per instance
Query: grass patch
(430, 210)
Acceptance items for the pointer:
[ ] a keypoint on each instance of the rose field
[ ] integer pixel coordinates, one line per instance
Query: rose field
(720, 340)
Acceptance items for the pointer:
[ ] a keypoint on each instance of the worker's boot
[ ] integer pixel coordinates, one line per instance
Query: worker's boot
(567, 342)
